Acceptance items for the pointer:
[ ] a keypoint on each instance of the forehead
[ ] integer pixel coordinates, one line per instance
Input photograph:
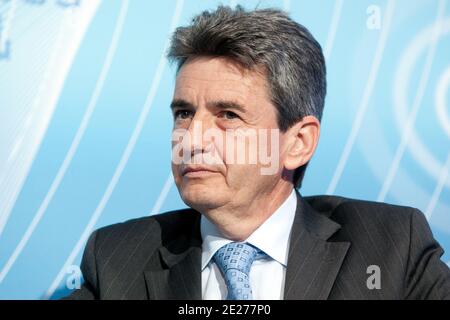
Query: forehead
(215, 78)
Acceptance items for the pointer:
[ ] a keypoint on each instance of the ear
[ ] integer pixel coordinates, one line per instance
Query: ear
(302, 139)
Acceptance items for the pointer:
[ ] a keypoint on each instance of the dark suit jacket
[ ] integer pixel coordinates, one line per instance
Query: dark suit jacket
(333, 242)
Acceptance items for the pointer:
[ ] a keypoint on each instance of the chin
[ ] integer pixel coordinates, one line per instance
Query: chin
(201, 197)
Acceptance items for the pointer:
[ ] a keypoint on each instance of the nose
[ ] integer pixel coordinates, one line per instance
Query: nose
(198, 142)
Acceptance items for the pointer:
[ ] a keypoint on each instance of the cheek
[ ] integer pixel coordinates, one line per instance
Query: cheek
(240, 147)
(283, 150)
(239, 176)
(224, 151)
(176, 174)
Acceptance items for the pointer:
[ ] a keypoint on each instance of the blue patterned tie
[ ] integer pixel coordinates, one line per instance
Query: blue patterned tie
(234, 261)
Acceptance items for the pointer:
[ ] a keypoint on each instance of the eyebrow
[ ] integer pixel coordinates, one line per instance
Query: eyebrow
(181, 104)
(220, 104)
(226, 104)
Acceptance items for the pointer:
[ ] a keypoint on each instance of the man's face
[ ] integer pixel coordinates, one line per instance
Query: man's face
(219, 110)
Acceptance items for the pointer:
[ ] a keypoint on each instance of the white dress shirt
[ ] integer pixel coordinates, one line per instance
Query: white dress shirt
(266, 275)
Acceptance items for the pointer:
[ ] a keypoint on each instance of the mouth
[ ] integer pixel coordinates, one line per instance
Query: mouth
(192, 172)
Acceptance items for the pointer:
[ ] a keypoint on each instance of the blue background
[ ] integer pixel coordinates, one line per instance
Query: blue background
(85, 125)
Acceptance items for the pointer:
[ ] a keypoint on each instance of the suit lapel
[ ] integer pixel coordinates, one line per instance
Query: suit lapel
(313, 263)
(180, 278)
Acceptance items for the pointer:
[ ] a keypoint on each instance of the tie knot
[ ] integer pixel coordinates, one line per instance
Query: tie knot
(234, 261)
(237, 255)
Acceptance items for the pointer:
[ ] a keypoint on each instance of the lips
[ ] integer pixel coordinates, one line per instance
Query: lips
(199, 169)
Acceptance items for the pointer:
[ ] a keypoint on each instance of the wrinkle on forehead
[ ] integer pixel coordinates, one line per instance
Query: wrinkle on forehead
(224, 74)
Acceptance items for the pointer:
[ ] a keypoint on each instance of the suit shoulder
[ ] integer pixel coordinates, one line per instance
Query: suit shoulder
(163, 225)
(381, 230)
(342, 208)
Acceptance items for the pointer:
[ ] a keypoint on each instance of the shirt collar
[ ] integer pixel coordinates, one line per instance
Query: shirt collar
(278, 225)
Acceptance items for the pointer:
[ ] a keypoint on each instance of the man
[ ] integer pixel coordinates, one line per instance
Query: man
(249, 234)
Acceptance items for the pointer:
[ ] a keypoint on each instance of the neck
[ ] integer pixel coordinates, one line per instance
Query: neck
(239, 222)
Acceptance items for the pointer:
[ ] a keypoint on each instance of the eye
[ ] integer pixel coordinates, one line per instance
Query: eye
(183, 114)
(229, 115)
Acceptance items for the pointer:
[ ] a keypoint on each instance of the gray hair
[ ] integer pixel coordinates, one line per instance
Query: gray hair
(292, 58)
